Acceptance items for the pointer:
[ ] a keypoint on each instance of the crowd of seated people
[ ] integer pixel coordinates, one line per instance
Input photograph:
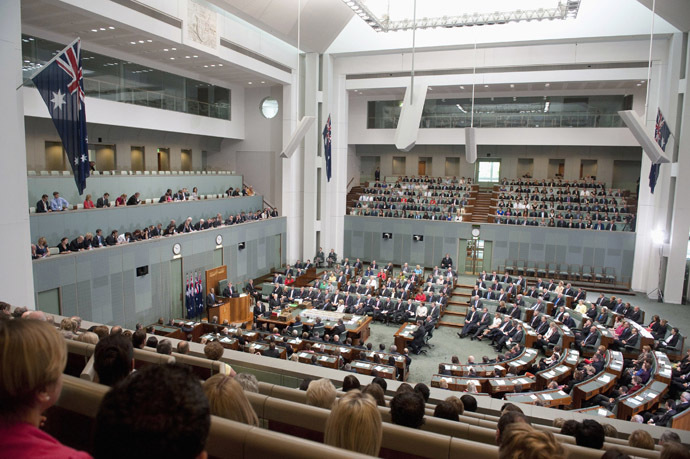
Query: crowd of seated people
(98, 239)
(58, 203)
(354, 422)
(582, 204)
(435, 198)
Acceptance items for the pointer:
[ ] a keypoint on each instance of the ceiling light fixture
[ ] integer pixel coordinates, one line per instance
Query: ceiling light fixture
(546, 85)
(512, 85)
(111, 28)
(385, 15)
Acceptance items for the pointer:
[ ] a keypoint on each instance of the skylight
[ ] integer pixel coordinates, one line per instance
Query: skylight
(393, 15)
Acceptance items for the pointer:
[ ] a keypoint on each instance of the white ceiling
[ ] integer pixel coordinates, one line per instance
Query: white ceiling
(321, 21)
(55, 21)
(676, 12)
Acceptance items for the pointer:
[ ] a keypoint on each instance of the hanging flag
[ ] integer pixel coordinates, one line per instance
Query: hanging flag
(327, 147)
(190, 301)
(661, 135)
(61, 85)
(199, 296)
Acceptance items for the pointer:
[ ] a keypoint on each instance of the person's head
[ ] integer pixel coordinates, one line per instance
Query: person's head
(350, 382)
(248, 382)
(152, 341)
(32, 357)
(226, 399)
(355, 424)
(521, 441)
(668, 436)
(615, 453)
(88, 337)
(113, 359)
(407, 409)
(381, 382)
(610, 431)
(673, 450)
(160, 408)
(469, 402)
(182, 347)
(510, 407)
(139, 339)
(506, 419)
(641, 439)
(423, 390)
(213, 350)
(590, 434)
(376, 393)
(321, 393)
(164, 347)
(447, 410)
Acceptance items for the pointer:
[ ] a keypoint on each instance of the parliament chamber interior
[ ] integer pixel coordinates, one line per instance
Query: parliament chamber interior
(354, 228)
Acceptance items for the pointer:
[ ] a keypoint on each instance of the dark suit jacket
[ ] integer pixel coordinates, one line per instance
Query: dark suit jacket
(100, 202)
(210, 299)
(42, 207)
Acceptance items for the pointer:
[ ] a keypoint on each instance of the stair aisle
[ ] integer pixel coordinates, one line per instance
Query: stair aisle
(454, 315)
(482, 206)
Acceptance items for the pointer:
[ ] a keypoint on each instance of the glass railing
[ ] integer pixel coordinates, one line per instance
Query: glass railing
(526, 120)
(154, 99)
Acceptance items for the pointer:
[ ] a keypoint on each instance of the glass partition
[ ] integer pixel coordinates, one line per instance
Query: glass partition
(536, 111)
(121, 81)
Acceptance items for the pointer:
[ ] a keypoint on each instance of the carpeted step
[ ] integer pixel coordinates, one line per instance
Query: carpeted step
(450, 324)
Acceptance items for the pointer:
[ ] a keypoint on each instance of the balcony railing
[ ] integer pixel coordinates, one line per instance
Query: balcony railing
(155, 99)
(522, 120)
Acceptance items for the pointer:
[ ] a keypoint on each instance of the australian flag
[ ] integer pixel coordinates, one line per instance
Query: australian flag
(661, 135)
(190, 303)
(61, 85)
(199, 291)
(327, 147)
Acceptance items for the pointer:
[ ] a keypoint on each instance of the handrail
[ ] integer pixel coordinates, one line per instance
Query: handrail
(348, 184)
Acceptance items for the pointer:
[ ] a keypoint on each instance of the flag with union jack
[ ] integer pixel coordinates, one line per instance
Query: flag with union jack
(61, 85)
(661, 135)
(327, 147)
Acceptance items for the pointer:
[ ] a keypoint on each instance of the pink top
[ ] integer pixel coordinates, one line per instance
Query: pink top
(88, 204)
(21, 440)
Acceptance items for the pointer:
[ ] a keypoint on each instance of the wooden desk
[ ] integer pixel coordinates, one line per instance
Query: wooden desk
(643, 400)
(588, 389)
(226, 341)
(480, 370)
(596, 410)
(557, 373)
(404, 335)
(234, 310)
(263, 347)
(508, 384)
(455, 383)
(365, 368)
(398, 358)
(550, 398)
(324, 360)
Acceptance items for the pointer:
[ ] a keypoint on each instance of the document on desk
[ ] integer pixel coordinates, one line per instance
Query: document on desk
(547, 396)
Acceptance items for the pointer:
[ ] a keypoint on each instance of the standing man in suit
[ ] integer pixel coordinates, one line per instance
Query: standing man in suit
(446, 262)
(211, 298)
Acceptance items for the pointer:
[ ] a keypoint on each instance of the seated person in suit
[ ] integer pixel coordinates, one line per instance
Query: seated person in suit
(43, 205)
(551, 337)
(670, 341)
(339, 329)
(260, 309)
(418, 338)
(471, 320)
(229, 290)
(588, 340)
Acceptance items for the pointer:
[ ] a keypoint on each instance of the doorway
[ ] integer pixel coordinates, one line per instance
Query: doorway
(423, 166)
(186, 160)
(476, 254)
(176, 292)
(163, 159)
(488, 171)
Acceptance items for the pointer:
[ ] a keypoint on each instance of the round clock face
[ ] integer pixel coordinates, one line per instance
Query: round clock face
(219, 239)
(475, 232)
(177, 248)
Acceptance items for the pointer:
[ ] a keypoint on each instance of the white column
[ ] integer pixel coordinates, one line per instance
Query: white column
(651, 208)
(334, 193)
(16, 274)
(680, 223)
(293, 191)
(311, 160)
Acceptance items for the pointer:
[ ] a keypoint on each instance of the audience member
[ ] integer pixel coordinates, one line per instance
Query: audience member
(407, 409)
(506, 419)
(350, 382)
(590, 434)
(521, 441)
(446, 410)
(321, 393)
(376, 392)
(158, 411)
(113, 359)
(226, 399)
(33, 356)
(469, 402)
(355, 424)
(248, 382)
(641, 439)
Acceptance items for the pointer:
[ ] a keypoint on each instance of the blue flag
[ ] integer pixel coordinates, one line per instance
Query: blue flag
(199, 297)
(327, 147)
(191, 307)
(661, 135)
(61, 85)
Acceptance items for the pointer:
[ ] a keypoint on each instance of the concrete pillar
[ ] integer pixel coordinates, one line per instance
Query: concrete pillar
(16, 272)
(312, 161)
(680, 214)
(293, 190)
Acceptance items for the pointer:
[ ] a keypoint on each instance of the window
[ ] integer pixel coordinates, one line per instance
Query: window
(488, 171)
(269, 107)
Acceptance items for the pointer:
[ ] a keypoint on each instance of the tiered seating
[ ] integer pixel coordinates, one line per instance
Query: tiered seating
(442, 198)
(581, 204)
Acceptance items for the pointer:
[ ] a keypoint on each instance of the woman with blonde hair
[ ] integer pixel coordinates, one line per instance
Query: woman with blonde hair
(33, 356)
(354, 424)
(227, 399)
(641, 439)
(321, 393)
(522, 441)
